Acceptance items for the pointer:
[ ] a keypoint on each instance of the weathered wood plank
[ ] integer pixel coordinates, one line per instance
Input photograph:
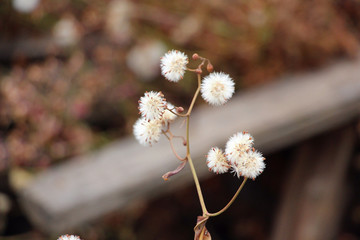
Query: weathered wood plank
(315, 191)
(277, 114)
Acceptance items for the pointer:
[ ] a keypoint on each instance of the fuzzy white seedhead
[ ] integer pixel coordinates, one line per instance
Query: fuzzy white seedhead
(69, 237)
(251, 164)
(217, 88)
(216, 161)
(238, 144)
(152, 105)
(173, 65)
(147, 132)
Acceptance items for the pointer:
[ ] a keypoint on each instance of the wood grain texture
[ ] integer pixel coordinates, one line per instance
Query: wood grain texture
(277, 115)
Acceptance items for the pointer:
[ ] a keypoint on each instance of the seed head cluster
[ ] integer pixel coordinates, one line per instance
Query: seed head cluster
(155, 117)
(240, 156)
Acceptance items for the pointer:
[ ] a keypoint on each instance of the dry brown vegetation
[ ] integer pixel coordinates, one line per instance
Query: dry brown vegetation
(70, 95)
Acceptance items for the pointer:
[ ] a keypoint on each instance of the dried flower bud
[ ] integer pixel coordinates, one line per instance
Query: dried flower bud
(179, 109)
(195, 56)
(209, 67)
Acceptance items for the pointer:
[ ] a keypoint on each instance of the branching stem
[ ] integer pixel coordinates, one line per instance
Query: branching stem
(188, 158)
(170, 137)
(229, 203)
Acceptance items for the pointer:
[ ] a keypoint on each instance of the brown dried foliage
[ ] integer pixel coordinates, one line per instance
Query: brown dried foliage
(61, 102)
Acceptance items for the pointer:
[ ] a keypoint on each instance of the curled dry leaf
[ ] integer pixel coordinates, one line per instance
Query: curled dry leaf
(176, 171)
(201, 233)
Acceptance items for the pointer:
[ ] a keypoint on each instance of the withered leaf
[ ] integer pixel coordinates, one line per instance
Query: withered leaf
(201, 233)
(176, 171)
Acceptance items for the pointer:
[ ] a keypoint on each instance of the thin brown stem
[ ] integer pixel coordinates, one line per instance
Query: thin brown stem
(180, 137)
(193, 171)
(229, 203)
(174, 151)
(197, 184)
(170, 138)
(165, 134)
(195, 95)
(176, 113)
(191, 69)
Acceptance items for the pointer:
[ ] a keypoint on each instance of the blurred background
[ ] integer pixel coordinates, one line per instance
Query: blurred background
(72, 71)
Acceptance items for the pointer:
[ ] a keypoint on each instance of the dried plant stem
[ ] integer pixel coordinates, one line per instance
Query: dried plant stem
(176, 113)
(193, 171)
(195, 95)
(231, 201)
(198, 188)
(188, 158)
(174, 151)
(170, 138)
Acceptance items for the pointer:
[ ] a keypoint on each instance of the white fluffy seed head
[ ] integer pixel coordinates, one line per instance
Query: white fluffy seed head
(152, 105)
(216, 161)
(173, 65)
(147, 132)
(238, 144)
(168, 116)
(217, 88)
(250, 164)
(69, 237)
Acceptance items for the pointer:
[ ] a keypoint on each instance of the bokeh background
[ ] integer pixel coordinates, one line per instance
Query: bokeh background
(71, 73)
